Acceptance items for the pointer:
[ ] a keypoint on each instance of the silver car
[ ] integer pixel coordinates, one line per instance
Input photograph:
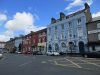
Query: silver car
(1, 55)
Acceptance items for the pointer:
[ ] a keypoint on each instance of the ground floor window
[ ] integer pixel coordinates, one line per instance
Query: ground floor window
(63, 45)
(49, 48)
(56, 47)
(93, 48)
(71, 46)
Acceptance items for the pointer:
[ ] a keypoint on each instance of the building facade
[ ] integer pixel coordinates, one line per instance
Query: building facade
(26, 43)
(10, 45)
(42, 40)
(34, 39)
(68, 34)
(18, 44)
(93, 29)
(2, 46)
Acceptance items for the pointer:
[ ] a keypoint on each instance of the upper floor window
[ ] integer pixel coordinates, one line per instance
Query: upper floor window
(98, 36)
(55, 28)
(44, 33)
(74, 36)
(98, 25)
(39, 40)
(62, 36)
(70, 24)
(79, 21)
(70, 35)
(62, 26)
(44, 39)
(39, 35)
(49, 31)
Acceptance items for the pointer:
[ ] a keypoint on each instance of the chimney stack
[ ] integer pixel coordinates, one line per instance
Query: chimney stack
(53, 20)
(62, 15)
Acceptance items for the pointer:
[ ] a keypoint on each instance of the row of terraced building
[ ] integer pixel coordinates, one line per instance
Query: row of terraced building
(73, 33)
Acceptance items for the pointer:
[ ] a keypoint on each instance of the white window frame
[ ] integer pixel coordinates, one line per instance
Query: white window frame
(98, 25)
(99, 36)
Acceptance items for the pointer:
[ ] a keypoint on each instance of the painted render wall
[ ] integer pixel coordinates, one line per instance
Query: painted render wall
(51, 39)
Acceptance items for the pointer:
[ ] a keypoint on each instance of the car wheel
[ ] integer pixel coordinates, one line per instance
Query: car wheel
(85, 56)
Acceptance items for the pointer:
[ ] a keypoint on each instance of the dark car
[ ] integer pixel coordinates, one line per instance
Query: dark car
(37, 53)
(62, 53)
(28, 52)
(95, 54)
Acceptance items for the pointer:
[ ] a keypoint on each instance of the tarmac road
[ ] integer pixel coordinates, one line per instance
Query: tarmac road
(18, 64)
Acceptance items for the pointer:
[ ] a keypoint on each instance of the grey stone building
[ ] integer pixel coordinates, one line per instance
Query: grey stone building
(93, 29)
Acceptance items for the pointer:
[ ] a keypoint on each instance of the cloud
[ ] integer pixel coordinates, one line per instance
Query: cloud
(96, 14)
(9, 33)
(36, 16)
(3, 17)
(22, 22)
(5, 36)
(75, 3)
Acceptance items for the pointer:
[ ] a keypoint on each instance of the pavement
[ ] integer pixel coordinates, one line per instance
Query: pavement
(19, 64)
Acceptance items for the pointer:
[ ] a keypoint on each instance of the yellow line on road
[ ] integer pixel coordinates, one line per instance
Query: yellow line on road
(56, 59)
(69, 65)
(89, 62)
(73, 63)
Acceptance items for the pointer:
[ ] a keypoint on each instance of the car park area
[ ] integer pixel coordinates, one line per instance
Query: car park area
(22, 64)
(78, 62)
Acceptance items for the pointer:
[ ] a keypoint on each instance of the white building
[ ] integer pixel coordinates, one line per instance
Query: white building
(2, 46)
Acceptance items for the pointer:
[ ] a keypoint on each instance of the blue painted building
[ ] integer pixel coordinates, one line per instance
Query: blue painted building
(68, 34)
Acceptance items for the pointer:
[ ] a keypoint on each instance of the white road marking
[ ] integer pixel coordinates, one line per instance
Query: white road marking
(56, 59)
(55, 62)
(43, 62)
(73, 63)
(24, 64)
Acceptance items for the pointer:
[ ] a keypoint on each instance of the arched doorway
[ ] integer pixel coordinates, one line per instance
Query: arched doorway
(56, 47)
(71, 47)
(81, 47)
(49, 48)
(63, 45)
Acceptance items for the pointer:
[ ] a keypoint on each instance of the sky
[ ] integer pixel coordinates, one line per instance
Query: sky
(19, 17)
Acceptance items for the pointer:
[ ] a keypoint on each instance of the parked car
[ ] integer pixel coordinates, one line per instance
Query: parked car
(37, 53)
(56, 53)
(1, 55)
(95, 54)
(28, 52)
(62, 53)
(49, 53)
(53, 53)
(19, 52)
